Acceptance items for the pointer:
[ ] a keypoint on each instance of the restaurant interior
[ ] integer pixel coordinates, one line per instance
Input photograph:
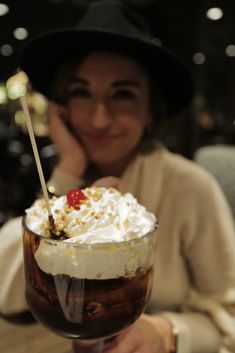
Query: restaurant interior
(201, 32)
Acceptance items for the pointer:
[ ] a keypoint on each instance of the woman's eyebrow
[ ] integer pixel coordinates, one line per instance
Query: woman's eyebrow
(131, 83)
(115, 84)
(79, 80)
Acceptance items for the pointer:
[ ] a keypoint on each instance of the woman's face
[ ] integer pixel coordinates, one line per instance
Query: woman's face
(108, 106)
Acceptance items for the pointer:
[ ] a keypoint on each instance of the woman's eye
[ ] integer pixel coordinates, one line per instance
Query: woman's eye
(79, 92)
(123, 94)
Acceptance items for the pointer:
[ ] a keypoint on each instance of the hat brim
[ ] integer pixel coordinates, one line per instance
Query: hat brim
(42, 56)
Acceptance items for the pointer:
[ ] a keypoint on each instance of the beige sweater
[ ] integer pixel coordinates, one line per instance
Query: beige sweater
(194, 282)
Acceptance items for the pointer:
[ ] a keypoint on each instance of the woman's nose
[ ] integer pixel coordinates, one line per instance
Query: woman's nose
(101, 115)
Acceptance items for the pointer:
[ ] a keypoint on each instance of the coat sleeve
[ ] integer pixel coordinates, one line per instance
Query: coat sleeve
(207, 321)
(60, 182)
(12, 297)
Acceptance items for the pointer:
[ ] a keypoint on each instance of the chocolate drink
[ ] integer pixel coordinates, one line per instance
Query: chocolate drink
(83, 308)
(89, 277)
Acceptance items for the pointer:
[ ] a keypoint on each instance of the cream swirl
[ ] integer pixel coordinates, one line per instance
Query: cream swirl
(107, 237)
(105, 216)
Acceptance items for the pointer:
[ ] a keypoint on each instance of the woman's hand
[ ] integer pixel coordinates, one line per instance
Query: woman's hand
(72, 157)
(111, 182)
(147, 335)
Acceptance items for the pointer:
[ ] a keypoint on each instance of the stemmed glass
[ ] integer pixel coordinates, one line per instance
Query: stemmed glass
(87, 292)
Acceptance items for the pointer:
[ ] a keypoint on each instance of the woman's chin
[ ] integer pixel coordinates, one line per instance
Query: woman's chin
(111, 164)
(103, 160)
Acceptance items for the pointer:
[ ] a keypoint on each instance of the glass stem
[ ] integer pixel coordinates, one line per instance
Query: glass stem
(79, 346)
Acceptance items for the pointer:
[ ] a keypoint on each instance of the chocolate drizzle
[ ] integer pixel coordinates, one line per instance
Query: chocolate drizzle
(55, 233)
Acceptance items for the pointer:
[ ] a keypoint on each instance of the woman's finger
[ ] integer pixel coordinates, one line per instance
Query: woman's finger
(122, 344)
(112, 182)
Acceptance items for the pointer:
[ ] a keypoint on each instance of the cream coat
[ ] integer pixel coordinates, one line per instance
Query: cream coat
(194, 281)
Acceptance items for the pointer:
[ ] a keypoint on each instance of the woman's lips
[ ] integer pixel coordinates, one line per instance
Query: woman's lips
(98, 139)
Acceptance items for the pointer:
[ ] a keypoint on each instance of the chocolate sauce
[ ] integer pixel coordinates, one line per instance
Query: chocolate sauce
(83, 308)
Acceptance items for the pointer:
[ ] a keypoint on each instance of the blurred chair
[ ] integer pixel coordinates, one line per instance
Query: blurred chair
(219, 160)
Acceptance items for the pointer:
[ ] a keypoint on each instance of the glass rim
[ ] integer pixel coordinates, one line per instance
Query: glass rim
(88, 245)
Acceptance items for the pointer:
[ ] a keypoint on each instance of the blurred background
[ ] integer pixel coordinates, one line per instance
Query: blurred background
(202, 32)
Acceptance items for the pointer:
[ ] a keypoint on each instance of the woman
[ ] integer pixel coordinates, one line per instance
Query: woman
(106, 97)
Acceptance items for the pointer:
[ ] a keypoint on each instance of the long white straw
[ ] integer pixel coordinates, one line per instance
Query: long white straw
(36, 154)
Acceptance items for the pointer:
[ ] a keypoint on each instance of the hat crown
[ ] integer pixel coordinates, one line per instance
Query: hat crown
(108, 25)
(116, 17)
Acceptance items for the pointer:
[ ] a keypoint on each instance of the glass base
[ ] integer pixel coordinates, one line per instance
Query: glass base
(81, 346)
(91, 346)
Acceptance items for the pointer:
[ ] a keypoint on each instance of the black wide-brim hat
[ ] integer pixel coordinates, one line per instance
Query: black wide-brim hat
(108, 25)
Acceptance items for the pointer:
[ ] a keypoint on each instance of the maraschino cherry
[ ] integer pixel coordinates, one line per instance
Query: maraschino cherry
(74, 197)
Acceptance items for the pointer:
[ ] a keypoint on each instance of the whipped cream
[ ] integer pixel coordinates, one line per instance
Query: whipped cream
(107, 237)
(105, 216)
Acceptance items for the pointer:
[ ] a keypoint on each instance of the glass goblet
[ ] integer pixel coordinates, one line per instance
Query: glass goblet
(87, 292)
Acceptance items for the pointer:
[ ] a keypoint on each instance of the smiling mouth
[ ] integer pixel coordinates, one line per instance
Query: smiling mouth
(99, 138)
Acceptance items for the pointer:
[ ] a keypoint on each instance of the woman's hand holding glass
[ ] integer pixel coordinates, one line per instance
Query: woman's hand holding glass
(72, 156)
(149, 334)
